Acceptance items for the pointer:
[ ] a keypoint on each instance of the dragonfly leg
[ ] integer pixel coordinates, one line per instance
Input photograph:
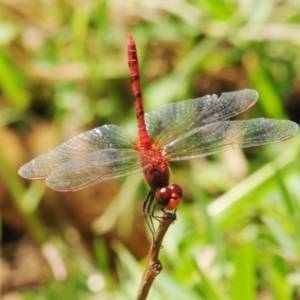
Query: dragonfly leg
(149, 208)
(170, 215)
(148, 212)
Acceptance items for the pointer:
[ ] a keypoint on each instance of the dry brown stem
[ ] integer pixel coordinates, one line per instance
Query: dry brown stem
(154, 266)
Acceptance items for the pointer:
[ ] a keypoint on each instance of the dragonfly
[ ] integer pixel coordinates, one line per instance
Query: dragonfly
(177, 131)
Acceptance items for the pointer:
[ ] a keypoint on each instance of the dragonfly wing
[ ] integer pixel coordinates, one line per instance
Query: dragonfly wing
(82, 171)
(107, 136)
(226, 135)
(173, 120)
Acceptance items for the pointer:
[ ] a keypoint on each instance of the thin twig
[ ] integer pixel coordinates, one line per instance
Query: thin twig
(154, 266)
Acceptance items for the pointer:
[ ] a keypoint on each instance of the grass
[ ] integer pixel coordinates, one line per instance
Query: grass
(63, 70)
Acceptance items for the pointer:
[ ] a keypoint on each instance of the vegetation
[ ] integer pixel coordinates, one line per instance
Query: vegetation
(63, 71)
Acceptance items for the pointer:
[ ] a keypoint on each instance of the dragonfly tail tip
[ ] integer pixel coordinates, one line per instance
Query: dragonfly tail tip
(130, 38)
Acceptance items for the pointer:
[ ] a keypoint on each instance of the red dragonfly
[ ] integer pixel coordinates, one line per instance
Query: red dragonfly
(176, 131)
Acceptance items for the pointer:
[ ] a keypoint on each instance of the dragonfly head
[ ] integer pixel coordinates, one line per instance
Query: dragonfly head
(169, 197)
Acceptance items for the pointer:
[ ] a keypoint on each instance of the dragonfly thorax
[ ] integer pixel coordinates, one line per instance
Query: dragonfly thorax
(156, 168)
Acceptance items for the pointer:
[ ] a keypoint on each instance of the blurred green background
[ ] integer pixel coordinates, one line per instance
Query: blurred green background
(63, 70)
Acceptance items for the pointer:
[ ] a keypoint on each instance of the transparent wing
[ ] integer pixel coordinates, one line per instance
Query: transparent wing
(226, 135)
(89, 169)
(169, 122)
(104, 137)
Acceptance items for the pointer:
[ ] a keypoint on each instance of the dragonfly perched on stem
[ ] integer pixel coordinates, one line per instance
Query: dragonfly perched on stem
(176, 131)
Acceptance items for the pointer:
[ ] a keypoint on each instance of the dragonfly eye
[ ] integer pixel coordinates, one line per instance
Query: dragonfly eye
(163, 195)
(169, 197)
(176, 189)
